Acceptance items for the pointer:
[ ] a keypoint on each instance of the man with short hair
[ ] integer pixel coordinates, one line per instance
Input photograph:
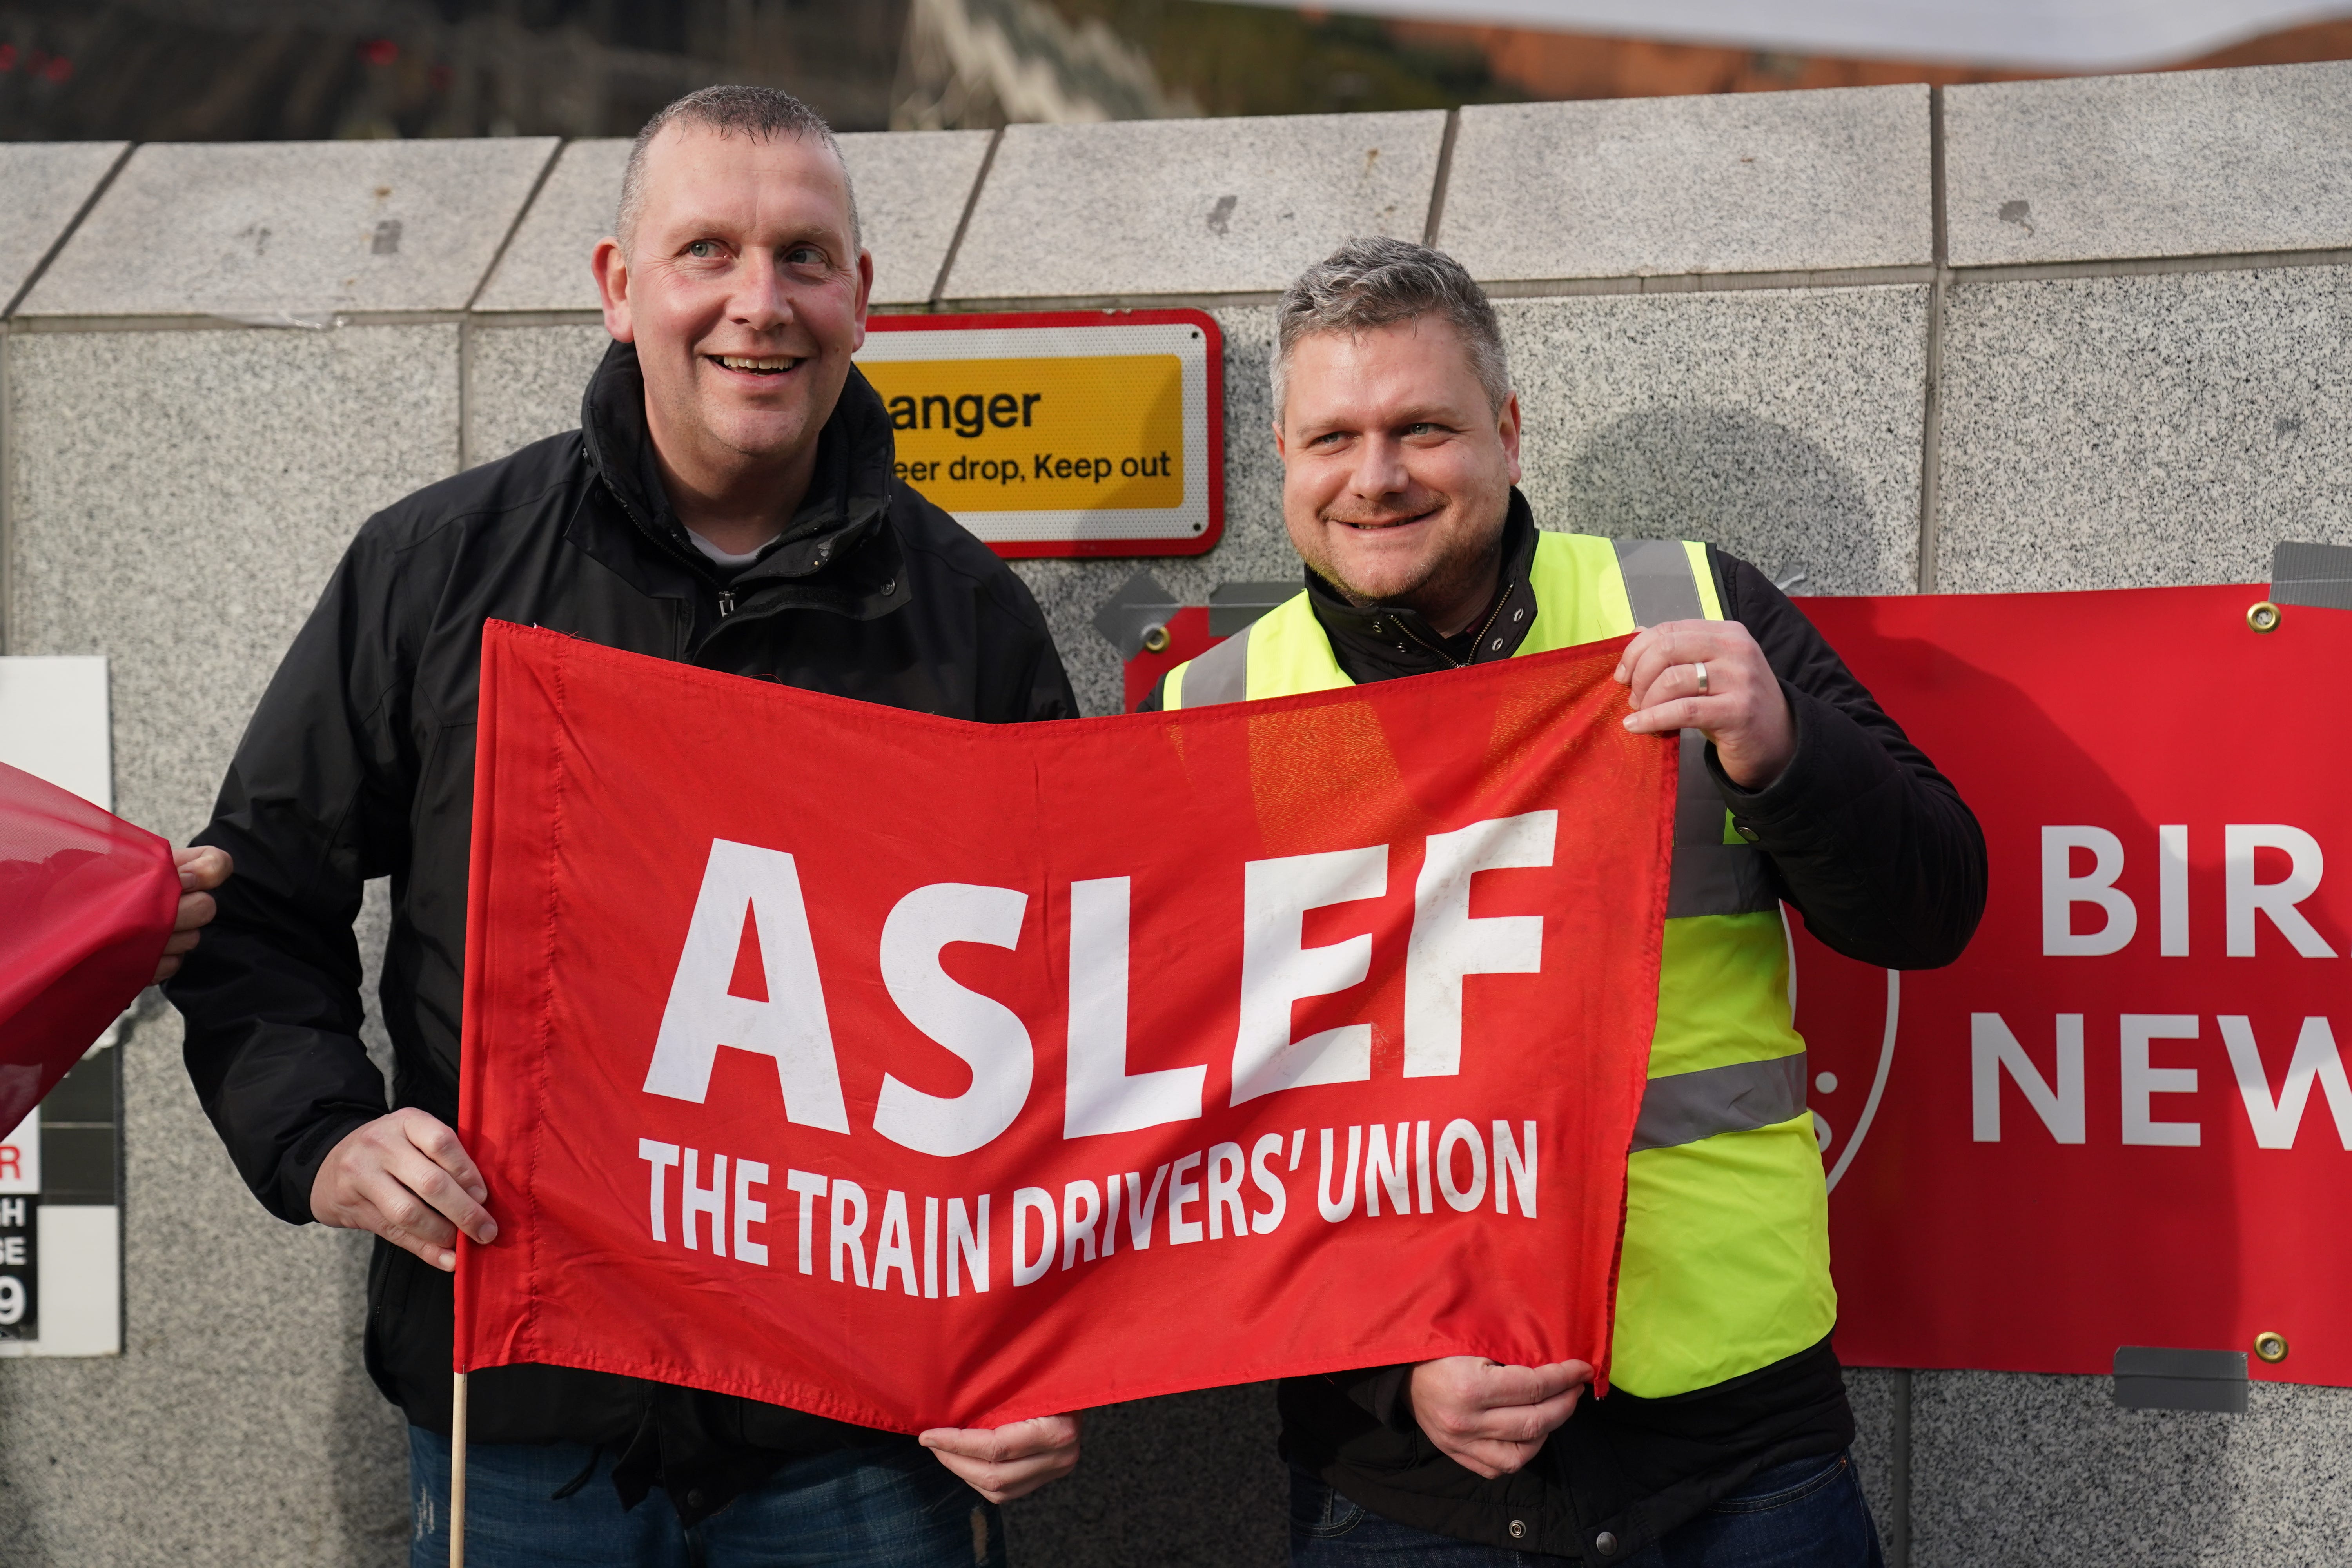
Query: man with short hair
(729, 501)
(1723, 1438)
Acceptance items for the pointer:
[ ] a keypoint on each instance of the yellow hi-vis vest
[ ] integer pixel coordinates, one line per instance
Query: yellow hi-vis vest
(1726, 1254)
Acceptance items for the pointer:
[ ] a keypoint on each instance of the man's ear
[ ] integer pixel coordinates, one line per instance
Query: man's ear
(611, 265)
(1507, 428)
(865, 293)
(1281, 447)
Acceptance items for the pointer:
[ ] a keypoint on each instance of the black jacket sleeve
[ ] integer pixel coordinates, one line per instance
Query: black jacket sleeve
(315, 804)
(1870, 843)
(1021, 675)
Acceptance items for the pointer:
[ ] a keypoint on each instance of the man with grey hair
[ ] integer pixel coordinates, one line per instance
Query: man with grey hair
(729, 501)
(1722, 1440)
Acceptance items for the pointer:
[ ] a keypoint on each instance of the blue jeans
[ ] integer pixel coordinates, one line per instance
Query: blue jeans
(871, 1508)
(1809, 1514)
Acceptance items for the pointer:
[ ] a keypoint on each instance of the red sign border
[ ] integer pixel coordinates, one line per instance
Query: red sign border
(1214, 414)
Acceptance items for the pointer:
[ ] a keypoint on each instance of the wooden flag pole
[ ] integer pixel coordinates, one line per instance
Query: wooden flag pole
(457, 1473)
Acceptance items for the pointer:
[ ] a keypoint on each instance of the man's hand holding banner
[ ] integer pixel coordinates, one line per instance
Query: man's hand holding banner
(917, 1072)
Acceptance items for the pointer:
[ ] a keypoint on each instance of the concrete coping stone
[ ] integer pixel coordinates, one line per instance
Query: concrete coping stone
(545, 266)
(1190, 206)
(2176, 164)
(45, 184)
(912, 185)
(1777, 182)
(293, 231)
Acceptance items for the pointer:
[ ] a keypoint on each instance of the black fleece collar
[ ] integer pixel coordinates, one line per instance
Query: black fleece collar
(838, 552)
(1380, 642)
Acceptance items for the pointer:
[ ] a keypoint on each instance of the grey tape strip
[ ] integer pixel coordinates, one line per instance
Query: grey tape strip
(1658, 583)
(1718, 879)
(1689, 1106)
(1220, 675)
(1698, 804)
(1710, 877)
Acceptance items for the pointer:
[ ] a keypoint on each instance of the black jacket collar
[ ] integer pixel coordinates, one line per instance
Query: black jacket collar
(1380, 642)
(839, 551)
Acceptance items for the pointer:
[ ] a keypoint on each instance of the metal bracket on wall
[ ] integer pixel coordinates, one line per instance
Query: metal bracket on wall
(1234, 607)
(2319, 574)
(2152, 1378)
(1135, 619)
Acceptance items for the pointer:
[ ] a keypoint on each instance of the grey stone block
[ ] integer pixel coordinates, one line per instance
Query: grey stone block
(216, 477)
(271, 230)
(911, 189)
(526, 383)
(1190, 207)
(1188, 1481)
(43, 184)
(1782, 426)
(2175, 163)
(1772, 181)
(2013, 1468)
(545, 266)
(1873, 1393)
(2128, 432)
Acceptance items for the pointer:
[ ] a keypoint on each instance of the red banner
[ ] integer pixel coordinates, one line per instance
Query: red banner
(87, 903)
(917, 1072)
(2122, 1117)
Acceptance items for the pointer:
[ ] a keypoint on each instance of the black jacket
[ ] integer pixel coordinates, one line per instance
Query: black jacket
(1876, 851)
(360, 764)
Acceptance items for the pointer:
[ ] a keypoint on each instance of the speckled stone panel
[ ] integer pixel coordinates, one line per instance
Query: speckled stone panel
(180, 499)
(1782, 426)
(1872, 1392)
(1190, 206)
(2009, 1468)
(1188, 1481)
(266, 230)
(2126, 432)
(527, 383)
(1771, 182)
(2172, 164)
(42, 186)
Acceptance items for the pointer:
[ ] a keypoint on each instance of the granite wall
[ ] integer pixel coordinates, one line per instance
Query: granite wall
(2028, 335)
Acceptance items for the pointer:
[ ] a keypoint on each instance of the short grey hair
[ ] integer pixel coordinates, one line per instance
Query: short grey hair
(1378, 282)
(762, 114)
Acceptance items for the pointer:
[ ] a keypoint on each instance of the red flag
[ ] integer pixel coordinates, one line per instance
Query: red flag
(87, 903)
(2123, 1117)
(917, 1072)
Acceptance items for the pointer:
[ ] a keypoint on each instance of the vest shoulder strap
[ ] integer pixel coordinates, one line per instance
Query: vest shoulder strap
(1667, 580)
(1220, 675)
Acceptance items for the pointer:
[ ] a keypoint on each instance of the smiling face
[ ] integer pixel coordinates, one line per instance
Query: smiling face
(745, 296)
(1397, 470)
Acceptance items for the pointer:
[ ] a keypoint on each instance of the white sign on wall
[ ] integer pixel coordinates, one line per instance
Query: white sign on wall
(61, 1216)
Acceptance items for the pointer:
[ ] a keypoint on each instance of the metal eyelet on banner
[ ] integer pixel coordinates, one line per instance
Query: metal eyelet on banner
(2263, 617)
(1155, 640)
(2270, 1347)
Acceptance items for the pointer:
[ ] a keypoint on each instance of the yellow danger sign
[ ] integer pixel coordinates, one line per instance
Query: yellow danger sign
(1061, 434)
(1024, 435)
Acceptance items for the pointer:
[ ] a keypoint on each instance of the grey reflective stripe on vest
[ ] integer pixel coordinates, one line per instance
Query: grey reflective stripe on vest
(1658, 584)
(1686, 1107)
(1220, 675)
(1710, 877)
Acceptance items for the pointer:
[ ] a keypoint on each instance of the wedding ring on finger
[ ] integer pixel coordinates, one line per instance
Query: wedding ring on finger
(1701, 677)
